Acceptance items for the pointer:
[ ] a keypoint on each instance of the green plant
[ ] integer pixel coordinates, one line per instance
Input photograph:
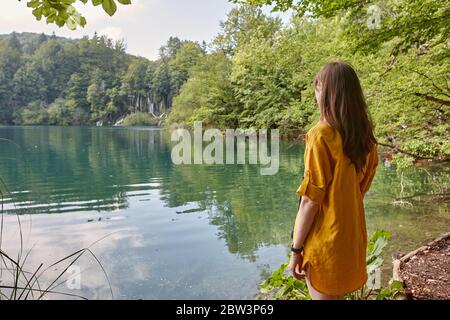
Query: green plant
(378, 241)
(282, 286)
(62, 12)
(140, 119)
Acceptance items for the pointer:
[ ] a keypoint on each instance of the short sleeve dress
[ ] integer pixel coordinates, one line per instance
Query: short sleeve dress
(335, 248)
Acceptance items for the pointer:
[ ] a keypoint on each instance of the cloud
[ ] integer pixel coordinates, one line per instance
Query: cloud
(145, 25)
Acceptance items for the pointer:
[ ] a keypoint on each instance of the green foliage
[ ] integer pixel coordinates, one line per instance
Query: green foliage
(281, 286)
(402, 161)
(187, 56)
(270, 83)
(208, 95)
(62, 12)
(409, 100)
(408, 23)
(243, 24)
(140, 119)
(71, 71)
(10, 61)
(375, 247)
(35, 113)
(394, 291)
(60, 113)
(88, 80)
(177, 58)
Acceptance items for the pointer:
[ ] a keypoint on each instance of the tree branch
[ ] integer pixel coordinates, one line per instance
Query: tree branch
(433, 99)
(396, 148)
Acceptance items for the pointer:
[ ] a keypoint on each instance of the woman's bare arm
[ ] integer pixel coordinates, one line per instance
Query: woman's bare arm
(305, 218)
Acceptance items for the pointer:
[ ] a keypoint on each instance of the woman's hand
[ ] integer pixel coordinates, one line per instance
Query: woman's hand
(303, 224)
(295, 265)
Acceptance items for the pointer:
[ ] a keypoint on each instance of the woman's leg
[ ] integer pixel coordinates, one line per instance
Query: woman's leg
(316, 295)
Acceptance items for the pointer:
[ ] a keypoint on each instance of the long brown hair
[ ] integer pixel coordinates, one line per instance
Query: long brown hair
(343, 106)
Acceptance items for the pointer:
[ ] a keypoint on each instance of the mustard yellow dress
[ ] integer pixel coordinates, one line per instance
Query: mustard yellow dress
(335, 248)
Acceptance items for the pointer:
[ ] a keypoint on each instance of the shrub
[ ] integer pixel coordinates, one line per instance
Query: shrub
(140, 119)
(34, 113)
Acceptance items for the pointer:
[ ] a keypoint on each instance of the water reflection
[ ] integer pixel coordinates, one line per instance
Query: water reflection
(193, 231)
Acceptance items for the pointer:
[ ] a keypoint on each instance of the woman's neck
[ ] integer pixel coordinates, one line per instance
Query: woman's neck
(324, 121)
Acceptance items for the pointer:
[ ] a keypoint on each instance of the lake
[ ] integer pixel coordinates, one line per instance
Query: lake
(178, 232)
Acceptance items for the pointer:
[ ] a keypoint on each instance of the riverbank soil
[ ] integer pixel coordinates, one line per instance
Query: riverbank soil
(426, 274)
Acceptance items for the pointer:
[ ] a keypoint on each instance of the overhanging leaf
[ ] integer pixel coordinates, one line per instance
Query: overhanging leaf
(109, 6)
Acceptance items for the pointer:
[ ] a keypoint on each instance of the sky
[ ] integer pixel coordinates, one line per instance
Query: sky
(145, 25)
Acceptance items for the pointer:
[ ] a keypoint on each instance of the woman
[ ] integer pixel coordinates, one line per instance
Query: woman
(329, 237)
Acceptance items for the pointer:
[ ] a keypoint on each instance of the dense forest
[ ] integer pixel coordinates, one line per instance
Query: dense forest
(257, 72)
(57, 81)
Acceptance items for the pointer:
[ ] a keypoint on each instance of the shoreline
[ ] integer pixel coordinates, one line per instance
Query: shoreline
(293, 135)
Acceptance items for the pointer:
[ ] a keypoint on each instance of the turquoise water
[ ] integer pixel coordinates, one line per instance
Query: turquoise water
(192, 231)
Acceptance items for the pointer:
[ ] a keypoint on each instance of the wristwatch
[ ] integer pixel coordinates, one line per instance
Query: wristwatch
(295, 250)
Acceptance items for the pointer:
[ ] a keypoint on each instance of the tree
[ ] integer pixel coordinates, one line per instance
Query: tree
(77, 97)
(264, 85)
(187, 56)
(14, 42)
(114, 105)
(10, 62)
(60, 113)
(162, 85)
(55, 65)
(42, 38)
(165, 77)
(208, 95)
(170, 49)
(63, 69)
(134, 85)
(410, 23)
(35, 113)
(149, 84)
(62, 12)
(91, 79)
(28, 85)
(96, 95)
(243, 24)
